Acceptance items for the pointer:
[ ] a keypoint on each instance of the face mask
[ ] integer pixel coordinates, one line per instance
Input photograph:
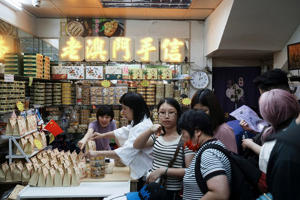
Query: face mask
(191, 146)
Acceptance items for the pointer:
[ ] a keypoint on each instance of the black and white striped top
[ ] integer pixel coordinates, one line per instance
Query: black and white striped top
(163, 152)
(213, 163)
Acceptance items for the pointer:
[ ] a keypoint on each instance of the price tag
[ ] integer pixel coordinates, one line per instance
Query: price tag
(186, 101)
(145, 83)
(105, 83)
(20, 106)
(30, 81)
(38, 144)
(9, 78)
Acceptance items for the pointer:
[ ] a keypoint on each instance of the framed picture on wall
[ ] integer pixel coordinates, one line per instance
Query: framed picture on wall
(293, 51)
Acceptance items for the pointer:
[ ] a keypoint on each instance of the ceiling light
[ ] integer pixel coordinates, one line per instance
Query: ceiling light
(15, 4)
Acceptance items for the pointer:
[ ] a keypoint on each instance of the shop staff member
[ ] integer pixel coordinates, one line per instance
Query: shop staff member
(103, 124)
(135, 110)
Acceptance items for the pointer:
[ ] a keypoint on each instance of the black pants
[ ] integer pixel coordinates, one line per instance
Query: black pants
(140, 183)
(174, 195)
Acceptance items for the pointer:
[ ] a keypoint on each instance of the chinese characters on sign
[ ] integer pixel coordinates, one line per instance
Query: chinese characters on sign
(96, 49)
(121, 49)
(146, 50)
(172, 50)
(71, 49)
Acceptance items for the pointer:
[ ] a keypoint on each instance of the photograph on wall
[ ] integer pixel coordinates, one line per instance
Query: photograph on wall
(92, 27)
(294, 56)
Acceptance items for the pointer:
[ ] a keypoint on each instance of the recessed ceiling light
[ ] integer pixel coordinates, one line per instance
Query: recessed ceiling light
(178, 4)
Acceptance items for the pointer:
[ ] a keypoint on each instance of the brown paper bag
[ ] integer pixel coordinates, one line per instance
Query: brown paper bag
(18, 172)
(31, 122)
(22, 143)
(7, 172)
(35, 175)
(75, 177)
(43, 138)
(21, 125)
(50, 179)
(13, 169)
(29, 146)
(26, 173)
(91, 146)
(3, 171)
(11, 127)
(43, 173)
(67, 178)
(58, 178)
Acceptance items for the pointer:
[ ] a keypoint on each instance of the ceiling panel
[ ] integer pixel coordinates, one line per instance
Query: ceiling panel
(46, 9)
(93, 8)
(90, 12)
(198, 13)
(205, 3)
(129, 13)
(77, 3)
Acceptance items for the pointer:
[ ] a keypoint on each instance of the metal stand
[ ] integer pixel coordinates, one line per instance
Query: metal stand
(13, 139)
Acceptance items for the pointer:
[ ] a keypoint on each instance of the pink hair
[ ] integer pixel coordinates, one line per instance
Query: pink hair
(277, 107)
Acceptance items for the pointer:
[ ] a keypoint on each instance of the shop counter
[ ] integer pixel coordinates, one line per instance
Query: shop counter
(118, 182)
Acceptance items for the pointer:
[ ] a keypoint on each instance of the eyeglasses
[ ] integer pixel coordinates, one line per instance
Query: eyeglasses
(164, 114)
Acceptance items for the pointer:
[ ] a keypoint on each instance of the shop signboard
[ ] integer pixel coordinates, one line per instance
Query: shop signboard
(71, 49)
(146, 49)
(172, 50)
(121, 49)
(96, 49)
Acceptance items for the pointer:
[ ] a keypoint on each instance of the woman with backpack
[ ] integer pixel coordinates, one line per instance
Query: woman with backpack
(169, 156)
(215, 167)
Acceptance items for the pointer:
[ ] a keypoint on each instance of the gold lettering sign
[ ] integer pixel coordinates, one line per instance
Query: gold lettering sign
(121, 49)
(96, 49)
(172, 50)
(71, 49)
(146, 50)
(3, 47)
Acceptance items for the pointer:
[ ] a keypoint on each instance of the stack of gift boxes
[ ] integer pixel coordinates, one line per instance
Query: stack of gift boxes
(33, 65)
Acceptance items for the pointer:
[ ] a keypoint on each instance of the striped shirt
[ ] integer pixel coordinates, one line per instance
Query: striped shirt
(163, 152)
(213, 163)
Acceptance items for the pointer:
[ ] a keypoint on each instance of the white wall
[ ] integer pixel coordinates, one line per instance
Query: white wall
(49, 28)
(215, 25)
(19, 19)
(280, 58)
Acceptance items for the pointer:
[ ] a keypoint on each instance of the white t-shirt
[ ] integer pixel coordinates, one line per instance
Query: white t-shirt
(264, 155)
(139, 160)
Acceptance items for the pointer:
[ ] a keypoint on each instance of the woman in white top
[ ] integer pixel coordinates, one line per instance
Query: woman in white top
(164, 148)
(135, 110)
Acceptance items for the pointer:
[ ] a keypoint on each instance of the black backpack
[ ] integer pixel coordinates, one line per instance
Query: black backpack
(244, 175)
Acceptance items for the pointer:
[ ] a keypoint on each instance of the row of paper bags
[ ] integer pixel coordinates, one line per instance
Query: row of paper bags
(20, 125)
(15, 172)
(28, 145)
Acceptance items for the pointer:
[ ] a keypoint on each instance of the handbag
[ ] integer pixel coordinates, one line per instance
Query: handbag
(163, 179)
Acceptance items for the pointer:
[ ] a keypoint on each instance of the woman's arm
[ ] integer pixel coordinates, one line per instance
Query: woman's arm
(83, 141)
(248, 143)
(109, 154)
(174, 172)
(144, 140)
(218, 188)
(188, 159)
(107, 135)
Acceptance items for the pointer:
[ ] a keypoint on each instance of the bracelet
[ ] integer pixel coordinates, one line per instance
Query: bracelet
(166, 171)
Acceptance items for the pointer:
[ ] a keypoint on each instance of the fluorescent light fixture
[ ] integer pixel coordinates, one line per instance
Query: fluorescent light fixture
(176, 4)
(15, 4)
